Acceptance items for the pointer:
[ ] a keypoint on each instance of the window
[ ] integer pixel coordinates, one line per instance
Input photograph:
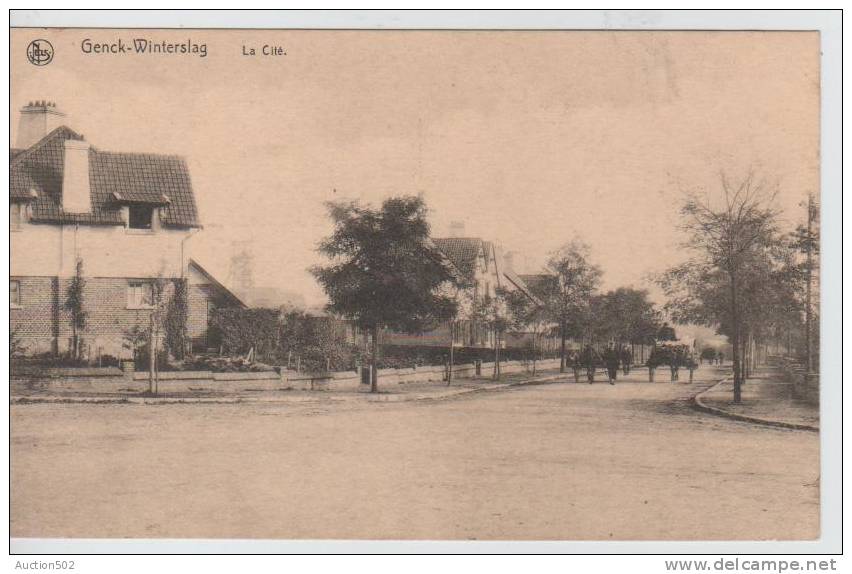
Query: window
(17, 215)
(14, 293)
(140, 295)
(141, 217)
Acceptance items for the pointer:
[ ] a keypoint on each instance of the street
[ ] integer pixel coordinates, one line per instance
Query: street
(551, 462)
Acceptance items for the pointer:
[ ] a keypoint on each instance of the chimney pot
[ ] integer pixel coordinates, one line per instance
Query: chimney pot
(457, 229)
(36, 121)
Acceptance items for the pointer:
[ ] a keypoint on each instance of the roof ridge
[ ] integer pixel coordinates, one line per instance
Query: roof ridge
(141, 153)
(40, 143)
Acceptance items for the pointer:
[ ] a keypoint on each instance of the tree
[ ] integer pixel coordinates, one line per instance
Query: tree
(666, 333)
(383, 271)
(567, 289)
(462, 294)
(726, 240)
(526, 314)
(492, 312)
(177, 311)
(75, 305)
(626, 315)
(160, 296)
(805, 240)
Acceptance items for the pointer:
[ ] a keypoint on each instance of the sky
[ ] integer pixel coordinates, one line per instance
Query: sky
(530, 139)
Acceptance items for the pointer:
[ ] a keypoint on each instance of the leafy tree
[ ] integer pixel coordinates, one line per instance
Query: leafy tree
(383, 272)
(75, 305)
(566, 291)
(625, 315)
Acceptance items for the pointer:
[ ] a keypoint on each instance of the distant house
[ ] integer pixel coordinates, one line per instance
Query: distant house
(126, 216)
(478, 264)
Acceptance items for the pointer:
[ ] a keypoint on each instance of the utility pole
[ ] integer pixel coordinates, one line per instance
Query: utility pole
(809, 265)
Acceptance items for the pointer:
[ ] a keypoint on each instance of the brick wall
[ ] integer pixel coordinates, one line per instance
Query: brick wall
(197, 302)
(43, 325)
(35, 322)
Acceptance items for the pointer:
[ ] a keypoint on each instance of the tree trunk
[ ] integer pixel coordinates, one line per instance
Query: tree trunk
(156, 365)
(808, 289)
(452, 345)
(562, 346)
(496, 355)
(735, 343)
(74, 344)
(535, 355)
(374, 375)
(152, 359)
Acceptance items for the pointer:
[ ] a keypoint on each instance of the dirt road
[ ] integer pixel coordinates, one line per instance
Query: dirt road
(565, 461)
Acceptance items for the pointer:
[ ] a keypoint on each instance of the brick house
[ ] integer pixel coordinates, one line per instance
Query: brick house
(126, 216)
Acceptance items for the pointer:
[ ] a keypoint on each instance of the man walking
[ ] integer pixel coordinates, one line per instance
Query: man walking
(611, 360)
(590, 360)
(574, 358)
(626, 359)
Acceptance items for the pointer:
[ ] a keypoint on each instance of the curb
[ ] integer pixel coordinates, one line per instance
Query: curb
(699, 405)
(369, 398)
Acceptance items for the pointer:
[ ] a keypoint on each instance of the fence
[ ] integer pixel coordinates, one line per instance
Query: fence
(805, 384)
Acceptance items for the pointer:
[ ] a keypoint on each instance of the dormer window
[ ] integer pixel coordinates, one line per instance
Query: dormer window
(141, 217)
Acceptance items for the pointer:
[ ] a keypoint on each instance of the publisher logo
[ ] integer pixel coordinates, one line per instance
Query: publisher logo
(40, 52)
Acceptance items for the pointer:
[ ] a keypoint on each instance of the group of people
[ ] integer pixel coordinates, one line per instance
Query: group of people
(612, 358)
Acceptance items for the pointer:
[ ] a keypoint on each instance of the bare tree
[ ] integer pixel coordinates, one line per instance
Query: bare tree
(729, 237)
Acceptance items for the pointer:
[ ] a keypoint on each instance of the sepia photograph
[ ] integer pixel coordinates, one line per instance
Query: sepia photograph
(416, 284)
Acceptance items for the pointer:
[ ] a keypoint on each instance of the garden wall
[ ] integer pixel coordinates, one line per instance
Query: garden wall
(227, 383)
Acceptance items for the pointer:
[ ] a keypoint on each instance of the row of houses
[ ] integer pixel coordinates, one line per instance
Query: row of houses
(484, 269)
(127, 217)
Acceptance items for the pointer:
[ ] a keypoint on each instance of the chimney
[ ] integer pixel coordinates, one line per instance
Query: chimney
(509, 261)
(457, 229)
(76, 197)
(37, 120)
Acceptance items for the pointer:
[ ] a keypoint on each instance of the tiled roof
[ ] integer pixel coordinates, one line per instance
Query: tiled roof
(461, 251)
(223, 291)
(519, 283)
(535, 282)
(113, 178)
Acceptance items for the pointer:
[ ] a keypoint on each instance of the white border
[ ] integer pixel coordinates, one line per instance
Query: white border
(830, 26)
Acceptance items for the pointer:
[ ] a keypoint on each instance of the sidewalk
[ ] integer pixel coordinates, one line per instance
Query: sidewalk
(388, 392)
(766, 399)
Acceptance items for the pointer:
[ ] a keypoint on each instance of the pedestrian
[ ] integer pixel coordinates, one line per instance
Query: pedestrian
(574, 358)
(611, 360)
(721, 358)
(626, 359)
(590, 360)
